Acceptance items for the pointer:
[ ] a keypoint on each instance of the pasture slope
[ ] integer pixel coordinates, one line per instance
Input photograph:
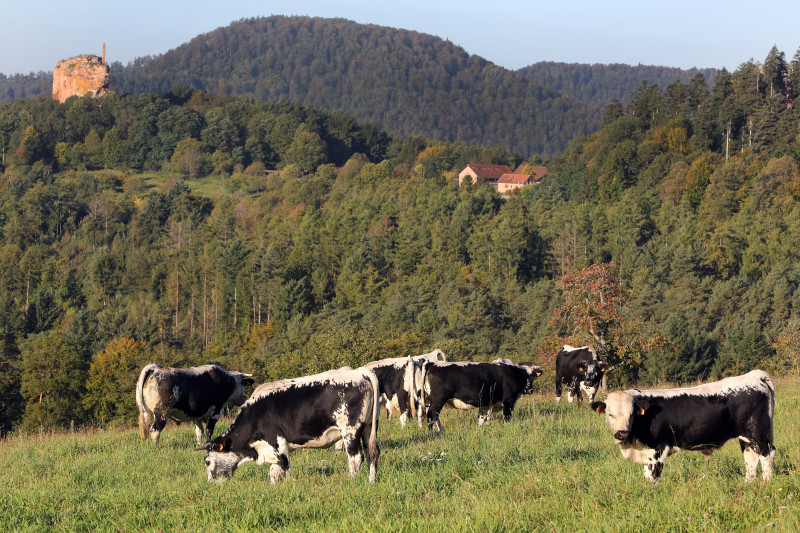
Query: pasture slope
(553, 468)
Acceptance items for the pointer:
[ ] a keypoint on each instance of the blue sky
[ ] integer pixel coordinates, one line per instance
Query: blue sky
(36, 34)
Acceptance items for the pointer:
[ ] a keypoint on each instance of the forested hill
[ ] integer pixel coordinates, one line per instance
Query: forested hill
(406, 82)
(597, 84)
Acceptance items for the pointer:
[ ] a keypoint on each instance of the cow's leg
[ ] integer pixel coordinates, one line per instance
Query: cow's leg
(403, 418)
(751, 459)
(199, 431)
(145, 421)
(508, 409)
(159, 421)
(558, 391)
(352, 444)
(339, 446)
(767, 463)
(484, 417)
(433, 416)
(211, 424)
(371, 453)
(281, 467)
(652, 472)
(655, 464)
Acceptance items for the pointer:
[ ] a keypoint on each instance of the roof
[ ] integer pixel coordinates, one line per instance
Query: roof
(517, 179)
(490, 172)
(537, 172)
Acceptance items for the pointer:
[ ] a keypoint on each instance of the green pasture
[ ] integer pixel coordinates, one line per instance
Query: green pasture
(552, 468)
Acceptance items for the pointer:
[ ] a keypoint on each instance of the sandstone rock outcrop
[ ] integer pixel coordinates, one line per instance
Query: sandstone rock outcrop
(80, 75)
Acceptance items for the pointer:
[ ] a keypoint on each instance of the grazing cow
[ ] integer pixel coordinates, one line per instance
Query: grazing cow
(309, 412)
(199, 394)
(580, 370)
(650, 425)
(398, 389)
(489, 387)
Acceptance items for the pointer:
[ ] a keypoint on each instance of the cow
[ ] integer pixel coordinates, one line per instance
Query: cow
(396, 376)
(580, 370)
(650, 425)
(489, 387)
(199, 394)
(309, 412)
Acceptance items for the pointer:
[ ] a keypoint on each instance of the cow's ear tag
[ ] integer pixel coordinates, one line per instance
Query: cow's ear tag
(600, 407)
(581, 368)
(220, 446)
(641, 406)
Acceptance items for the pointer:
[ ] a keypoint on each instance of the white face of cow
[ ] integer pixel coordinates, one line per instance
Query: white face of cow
(242, 381)
(220, 466)
(620, 408)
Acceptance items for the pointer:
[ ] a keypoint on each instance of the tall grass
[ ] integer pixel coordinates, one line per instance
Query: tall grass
(552, 468)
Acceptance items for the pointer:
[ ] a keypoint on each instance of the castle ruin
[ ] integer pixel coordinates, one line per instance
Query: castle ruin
(81, 75)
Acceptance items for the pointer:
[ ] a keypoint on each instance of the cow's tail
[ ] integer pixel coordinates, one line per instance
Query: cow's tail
(145, 373)
(423, 401)
(372, 444)
(410, 372)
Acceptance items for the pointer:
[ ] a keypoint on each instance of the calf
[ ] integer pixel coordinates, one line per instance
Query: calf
(199, 394)
(310, 412)
(489, 387)
(397, 384)
(580, 370)
(650, 425)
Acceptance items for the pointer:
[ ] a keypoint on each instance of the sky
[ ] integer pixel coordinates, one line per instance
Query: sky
(36, 34)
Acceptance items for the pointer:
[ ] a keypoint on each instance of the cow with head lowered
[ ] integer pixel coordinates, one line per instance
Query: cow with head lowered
(488, 387)
(199, 394)
(308, 412)
(578, 369)
(650, 425)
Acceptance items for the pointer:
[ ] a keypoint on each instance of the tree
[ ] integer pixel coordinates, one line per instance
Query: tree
(53, 375)
(744, 348)
(112, 379)
(189, 158)
(307, 150)
(775, 70)
(597, 310)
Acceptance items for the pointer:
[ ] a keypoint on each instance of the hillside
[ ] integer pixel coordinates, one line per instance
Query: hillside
(406, 82)
(596, 85)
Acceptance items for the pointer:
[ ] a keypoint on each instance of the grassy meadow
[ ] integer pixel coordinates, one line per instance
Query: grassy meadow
(552, 468)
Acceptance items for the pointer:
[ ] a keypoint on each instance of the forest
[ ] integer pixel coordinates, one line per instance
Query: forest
(281, 240)
(598, 84)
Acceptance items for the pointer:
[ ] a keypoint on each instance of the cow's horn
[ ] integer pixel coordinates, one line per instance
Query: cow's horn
(206, 447)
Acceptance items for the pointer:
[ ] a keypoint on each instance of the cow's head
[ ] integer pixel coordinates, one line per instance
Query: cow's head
(242, 381)
(533, 373)
(592, 371)
(220, 461)
(620, 409)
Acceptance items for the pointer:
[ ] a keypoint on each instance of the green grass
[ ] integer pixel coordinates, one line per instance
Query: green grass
(552, 468)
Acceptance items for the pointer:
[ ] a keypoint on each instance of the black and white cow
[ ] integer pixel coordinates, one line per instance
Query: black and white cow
(579, 369)
(309, 412)
(199, 394)
(650, 425)
(488, 387)
(396, 376)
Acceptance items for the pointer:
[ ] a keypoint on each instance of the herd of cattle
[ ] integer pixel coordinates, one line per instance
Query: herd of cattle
(342, 407)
